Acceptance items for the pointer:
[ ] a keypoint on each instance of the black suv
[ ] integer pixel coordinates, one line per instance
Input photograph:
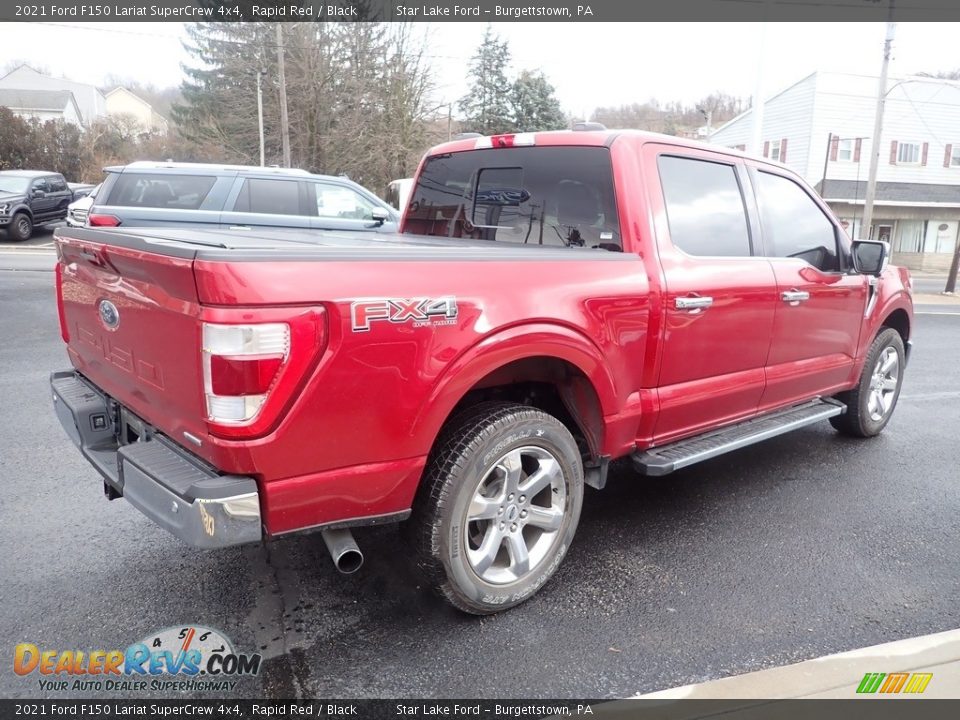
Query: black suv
(29, 198)
(241, 197)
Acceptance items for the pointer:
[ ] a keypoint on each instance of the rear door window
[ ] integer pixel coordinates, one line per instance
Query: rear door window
(705, 207)
(560, 196)
(180, 192)
(57, 184)
(267, 196)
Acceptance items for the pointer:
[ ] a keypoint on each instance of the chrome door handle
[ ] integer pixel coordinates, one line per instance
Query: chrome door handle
(695, 304)
(794, 297)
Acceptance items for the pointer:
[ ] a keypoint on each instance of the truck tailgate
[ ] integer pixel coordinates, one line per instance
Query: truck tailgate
(131, 320)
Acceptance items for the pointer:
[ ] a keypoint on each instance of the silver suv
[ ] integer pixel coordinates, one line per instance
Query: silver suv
(236, 196)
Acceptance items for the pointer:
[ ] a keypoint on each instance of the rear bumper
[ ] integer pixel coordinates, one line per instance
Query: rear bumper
(172, 487)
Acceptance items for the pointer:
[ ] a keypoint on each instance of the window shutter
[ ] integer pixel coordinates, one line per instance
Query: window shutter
(893, 152)
(856, 150)
(948, 151)
(766, 149)
(783, 150)
(923, 153)
(834, 147)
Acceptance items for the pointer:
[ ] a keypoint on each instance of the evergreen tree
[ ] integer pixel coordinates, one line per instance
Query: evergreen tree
(534, 105)
(218, 113)
(487, 106)
(357, 94)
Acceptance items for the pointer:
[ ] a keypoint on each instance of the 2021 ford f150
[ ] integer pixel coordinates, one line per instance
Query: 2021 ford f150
(553, 301)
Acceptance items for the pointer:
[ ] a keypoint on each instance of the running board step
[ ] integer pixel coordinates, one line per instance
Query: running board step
(666, 459)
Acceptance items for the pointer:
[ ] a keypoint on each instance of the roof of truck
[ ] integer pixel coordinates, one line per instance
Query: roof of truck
(588, 138)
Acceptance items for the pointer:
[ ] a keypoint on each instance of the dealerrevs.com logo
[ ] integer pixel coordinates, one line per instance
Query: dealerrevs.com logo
(175, 659)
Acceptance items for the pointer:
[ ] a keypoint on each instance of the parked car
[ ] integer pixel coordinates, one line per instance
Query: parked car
(78, 210)
(555, 301)
(81, 190)
(239, 197)
(29, 198)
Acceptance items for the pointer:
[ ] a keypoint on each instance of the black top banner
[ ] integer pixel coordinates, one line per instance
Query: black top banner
(636, 709)
(481, 11)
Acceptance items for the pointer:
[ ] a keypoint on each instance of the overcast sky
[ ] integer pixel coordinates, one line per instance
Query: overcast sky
(591, 64)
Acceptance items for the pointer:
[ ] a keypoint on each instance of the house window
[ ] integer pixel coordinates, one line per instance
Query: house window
(908, 153)
(776, 150)
(845, 150)
(955, 155)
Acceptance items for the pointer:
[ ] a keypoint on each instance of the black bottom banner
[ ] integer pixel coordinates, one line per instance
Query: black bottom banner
(872, 709)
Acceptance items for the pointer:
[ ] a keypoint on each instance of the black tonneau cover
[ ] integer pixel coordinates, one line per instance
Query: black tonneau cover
(318, 245)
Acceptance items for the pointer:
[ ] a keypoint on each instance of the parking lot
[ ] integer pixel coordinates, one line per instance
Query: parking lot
(805, 545)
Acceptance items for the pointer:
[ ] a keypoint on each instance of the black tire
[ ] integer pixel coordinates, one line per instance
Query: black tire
(469, 469)
(20, 227)
(867, 413)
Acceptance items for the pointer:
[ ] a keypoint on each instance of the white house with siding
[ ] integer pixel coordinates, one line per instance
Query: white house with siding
(42, 105)
(121, 101)
(821, 126)
(89, 100)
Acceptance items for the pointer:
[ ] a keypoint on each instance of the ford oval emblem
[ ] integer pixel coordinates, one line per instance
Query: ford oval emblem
(109, 314)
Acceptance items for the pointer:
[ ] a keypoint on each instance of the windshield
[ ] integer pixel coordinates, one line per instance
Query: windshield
(14, 184)
(530, 195)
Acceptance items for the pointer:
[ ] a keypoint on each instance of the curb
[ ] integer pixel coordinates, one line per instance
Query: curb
(840, 675)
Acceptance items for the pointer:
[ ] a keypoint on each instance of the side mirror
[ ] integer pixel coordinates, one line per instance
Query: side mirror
(38, 193)
(380, 215)
(870, 256)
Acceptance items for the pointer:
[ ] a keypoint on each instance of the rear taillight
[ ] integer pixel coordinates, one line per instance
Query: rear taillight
(252, 371)
(240, 363)
(98, 220)
(61, 314)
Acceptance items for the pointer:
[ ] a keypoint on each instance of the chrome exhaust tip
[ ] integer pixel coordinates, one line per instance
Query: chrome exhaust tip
(343, 549)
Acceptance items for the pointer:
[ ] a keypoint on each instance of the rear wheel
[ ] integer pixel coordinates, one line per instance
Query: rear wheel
(21, 227)
(498, 507)
(871, 403)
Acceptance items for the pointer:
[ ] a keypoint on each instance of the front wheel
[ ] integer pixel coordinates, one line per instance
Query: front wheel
(499, 505)
(871, 403)
(21, 227)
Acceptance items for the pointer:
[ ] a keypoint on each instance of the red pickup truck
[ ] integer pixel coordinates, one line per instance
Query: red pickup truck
(554, 301)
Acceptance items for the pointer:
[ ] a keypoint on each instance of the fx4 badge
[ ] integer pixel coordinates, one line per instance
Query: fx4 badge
(419, 311)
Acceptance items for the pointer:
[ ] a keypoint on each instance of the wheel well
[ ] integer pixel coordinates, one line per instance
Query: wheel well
(899, 321)
(555, 386)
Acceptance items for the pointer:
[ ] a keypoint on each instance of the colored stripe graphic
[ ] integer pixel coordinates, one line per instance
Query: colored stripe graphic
(871, 682)
(918, 683)
(894, 683)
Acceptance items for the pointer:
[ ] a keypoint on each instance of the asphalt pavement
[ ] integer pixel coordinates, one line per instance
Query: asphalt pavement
(806, 545)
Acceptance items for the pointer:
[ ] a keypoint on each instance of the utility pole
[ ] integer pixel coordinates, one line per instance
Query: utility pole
(878, 127)
(826, 165)
(756, 131)
(284, 122)
(952, 275)
(260, 111)
(449, 121)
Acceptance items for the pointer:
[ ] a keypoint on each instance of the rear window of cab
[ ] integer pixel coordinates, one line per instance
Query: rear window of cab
(558, 196)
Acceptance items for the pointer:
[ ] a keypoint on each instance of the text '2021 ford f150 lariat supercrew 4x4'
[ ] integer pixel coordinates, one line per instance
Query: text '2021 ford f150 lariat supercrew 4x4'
(554, 301)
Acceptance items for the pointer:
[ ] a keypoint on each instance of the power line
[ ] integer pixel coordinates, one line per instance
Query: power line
(264, 44)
